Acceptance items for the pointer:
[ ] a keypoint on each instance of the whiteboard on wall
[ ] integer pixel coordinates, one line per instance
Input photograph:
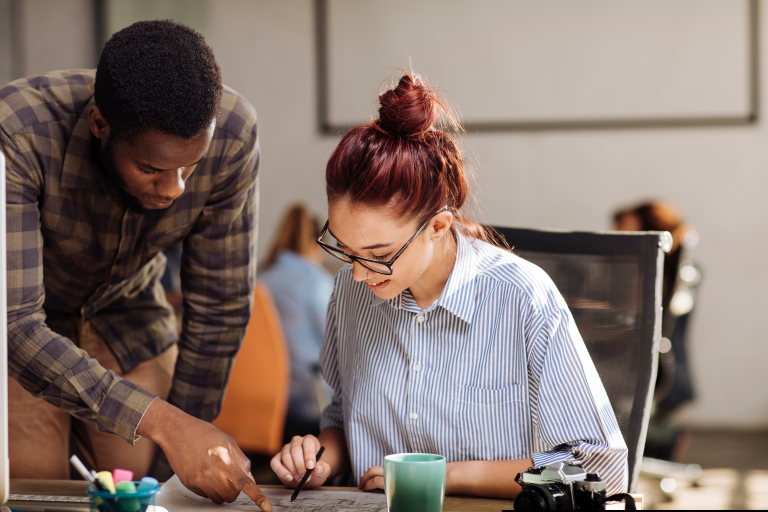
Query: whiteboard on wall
(545, 64)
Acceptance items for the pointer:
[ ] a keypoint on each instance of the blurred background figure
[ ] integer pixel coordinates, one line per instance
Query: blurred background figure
(681, 278)
(301, 289)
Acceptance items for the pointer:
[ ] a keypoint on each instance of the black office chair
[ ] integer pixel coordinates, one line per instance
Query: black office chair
(612, 283)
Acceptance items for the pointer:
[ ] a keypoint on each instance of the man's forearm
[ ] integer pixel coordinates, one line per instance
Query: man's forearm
(33, 345)
(492, 479)
(160, 421)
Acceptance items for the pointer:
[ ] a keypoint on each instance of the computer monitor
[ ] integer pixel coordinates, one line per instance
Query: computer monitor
(4, 466)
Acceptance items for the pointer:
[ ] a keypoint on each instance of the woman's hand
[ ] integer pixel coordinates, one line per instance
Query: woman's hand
(372, 479)
(294, 460)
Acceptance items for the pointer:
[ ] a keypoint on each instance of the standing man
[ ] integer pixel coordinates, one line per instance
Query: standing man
(105, 170)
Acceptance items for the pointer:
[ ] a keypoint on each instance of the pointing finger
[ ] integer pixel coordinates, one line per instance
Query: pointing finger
(257, 495)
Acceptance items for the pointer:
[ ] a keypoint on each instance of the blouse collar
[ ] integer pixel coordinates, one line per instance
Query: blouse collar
(458, 296)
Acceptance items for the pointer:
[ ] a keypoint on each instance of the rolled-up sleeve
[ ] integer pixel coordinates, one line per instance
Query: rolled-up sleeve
(218, 274)
(45, 363)
(333, 415)
(573, 417)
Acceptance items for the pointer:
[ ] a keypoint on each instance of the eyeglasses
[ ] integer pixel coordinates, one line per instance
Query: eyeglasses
(380, 267)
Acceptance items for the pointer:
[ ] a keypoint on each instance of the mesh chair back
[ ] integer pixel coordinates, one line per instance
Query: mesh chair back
(612, 285)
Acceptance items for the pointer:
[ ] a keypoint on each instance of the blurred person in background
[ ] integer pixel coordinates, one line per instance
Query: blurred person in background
(681, 278)
(301, 289)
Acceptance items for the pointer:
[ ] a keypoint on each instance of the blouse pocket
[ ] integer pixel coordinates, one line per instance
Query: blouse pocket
(493, 424)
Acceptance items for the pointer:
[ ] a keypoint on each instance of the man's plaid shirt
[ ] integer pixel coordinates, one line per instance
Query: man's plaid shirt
(75, 252)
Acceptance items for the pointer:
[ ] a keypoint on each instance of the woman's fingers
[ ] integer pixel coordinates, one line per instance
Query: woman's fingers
(370, 476)
(280, 470)
(322, 469)
(297, 454)
(310, 447)
(287, 460)
(376, 482)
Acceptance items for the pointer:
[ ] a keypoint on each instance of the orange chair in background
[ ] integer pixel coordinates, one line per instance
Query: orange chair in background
(256, 401)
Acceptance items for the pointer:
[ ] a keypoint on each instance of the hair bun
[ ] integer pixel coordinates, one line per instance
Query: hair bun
(409, 109)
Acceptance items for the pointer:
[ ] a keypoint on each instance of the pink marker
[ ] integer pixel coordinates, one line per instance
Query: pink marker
(122, 475)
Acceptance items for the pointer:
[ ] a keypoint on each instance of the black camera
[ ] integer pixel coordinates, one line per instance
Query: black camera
(561, 486)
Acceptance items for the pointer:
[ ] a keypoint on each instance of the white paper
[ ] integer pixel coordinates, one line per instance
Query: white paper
(174, 497)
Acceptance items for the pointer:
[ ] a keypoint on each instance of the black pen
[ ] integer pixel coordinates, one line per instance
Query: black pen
(306, 475)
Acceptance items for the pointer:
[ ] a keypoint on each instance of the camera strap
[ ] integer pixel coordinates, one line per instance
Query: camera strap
(629, 501)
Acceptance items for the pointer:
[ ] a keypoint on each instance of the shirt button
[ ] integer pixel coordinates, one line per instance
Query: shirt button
(420, 318)
(414, 416)
(417, 367)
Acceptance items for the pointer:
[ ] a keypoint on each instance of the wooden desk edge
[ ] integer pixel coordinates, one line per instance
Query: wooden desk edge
(77, 488)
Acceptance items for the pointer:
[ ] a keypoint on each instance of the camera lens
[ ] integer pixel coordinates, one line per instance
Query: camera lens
(544, 497)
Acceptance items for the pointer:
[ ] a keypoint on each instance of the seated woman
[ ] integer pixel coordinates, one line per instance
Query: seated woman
(437, 340)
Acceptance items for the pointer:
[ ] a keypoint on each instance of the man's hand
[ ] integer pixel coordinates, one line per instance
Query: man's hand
(207, 461)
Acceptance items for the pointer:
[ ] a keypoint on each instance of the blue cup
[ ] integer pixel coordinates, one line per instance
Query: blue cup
(105, 501)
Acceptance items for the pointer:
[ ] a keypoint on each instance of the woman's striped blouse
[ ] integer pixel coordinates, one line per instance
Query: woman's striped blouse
(494, 370)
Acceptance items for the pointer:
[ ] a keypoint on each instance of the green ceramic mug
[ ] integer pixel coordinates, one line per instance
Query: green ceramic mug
(414, 482)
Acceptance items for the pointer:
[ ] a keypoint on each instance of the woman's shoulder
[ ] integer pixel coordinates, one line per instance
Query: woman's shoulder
(512, 272)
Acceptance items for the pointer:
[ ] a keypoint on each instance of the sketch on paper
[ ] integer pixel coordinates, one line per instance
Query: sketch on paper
(177, 498)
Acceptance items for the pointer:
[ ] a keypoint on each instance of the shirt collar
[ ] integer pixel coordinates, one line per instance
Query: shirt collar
(79, 169)
(458, 296)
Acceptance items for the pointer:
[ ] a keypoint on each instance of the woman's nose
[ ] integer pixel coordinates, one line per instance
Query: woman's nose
(359, 272)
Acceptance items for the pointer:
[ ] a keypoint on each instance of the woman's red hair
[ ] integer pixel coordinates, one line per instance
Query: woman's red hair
(406, 159)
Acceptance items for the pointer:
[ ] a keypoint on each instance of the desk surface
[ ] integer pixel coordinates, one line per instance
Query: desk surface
(77, 488)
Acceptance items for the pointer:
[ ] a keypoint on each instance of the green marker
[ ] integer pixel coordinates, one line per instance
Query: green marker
(128, 504)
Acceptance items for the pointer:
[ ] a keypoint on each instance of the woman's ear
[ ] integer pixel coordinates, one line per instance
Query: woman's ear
(441, 224)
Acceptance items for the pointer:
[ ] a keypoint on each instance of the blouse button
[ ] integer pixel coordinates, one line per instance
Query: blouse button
(420, 318)
(417, 367)
(414, 416)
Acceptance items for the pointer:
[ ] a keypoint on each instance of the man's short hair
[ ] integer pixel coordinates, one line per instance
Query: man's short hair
(158, 74)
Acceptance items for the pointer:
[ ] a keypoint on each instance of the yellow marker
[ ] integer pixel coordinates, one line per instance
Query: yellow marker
(106, 479)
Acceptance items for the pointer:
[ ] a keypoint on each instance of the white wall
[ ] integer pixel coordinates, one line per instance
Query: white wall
(547, 60)
(55, 35)
(573, 180)
(717, 176)
(45, 35)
